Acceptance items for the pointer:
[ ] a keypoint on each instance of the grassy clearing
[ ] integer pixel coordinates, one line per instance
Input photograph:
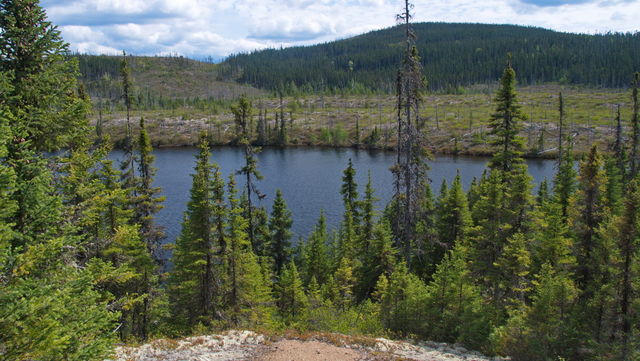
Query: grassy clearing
(453, 123)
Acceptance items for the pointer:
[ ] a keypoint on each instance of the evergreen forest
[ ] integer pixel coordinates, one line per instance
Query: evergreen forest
(551, 275)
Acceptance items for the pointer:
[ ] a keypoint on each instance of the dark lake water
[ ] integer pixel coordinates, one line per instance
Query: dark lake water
(309, 178)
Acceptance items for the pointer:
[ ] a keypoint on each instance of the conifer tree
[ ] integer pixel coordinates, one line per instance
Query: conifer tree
(315, 254)
(131, 280)
(410, 168)
(128, 163)
(543, 330)
(49, 308)
(147, 204)
(560, 125)
(194, 279)
(400, 300)
(41, 82)
(347, 244)
(291, 299)
(543, 192)
(279, 247)
(627, 234)
(368, 212)
(454, 221)
(248, 298)
(635, 124)
(242, 113)
(588, 213)
(505, 124)
(552, 242)
(349, 191)
(344, 283)
(455, 309)
(379, 259)
(564, 182)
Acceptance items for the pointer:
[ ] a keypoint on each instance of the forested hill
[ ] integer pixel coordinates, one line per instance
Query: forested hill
(157, 79)
(452, 54)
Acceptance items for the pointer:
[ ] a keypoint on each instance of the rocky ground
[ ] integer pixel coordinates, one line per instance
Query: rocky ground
(247, 345)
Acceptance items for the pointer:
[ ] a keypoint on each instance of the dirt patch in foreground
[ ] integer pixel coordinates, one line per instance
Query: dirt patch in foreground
(287, 350)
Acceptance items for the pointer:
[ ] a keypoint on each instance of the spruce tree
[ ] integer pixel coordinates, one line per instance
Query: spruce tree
(248, 300)
(410, 168)
(545, 329)
(454, 221)
(379, 259)
(194, 278)
(565, 182)
(455, 309)
(349, 191)
(291, 299)
(41, 80)
(50, 307)
(628, 238)
(242, 114)
(368, 212)
(147, 203)
(587, 214)
(635, 124)
(505, 124)
(315, 253)
(279, 247)
(128, 163)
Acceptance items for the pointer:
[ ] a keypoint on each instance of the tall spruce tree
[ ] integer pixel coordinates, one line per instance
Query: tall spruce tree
(49, 308)
(248, 301)
(635, 124)
(627, 234)
(410, 168)
(315, 256)
(128, 163)
(291, 299)
(194, 280)
(147, 203)
(279, 247)
(368, 212)
(505, 124)
(242, 114)
(349, 191)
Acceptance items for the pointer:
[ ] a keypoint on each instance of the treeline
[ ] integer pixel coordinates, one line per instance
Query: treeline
(453, 55)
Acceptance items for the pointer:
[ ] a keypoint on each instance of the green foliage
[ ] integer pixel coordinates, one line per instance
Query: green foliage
(454, 217)
(315, 254)
(247, 291)
(291, 300)
(280, 231)
(456, 311)
(379, 259)
(459, 55)
(505, 124)
(192, 283)
(546, 329)
(60, 317)
(349, 191)
(401, 298)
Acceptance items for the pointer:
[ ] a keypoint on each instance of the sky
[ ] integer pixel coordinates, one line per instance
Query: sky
(219, 28)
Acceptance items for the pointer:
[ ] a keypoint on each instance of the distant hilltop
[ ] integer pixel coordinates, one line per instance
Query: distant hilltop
(453, 55)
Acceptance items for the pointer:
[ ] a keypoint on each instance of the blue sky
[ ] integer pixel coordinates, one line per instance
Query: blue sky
(217, 28)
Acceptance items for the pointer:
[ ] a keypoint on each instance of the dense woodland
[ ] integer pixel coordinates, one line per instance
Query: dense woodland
(537, 277)
(453, 55)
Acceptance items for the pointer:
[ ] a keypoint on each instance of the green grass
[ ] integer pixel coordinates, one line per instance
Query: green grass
(450, 120)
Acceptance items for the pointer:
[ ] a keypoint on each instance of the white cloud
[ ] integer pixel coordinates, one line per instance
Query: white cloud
(219, 28)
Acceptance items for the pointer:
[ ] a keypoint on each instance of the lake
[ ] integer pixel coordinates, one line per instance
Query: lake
(309, 178)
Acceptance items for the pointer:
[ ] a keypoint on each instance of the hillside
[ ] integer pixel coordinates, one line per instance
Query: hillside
(157, 79)
(452, 54)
